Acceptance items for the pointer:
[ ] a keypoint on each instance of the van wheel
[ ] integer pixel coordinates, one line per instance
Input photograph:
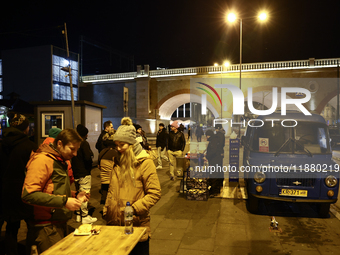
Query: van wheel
(252, 204)
(323, 209)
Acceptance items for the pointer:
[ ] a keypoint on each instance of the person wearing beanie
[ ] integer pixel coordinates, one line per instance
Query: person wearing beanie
(161, 145)
(52, 134)
(20, 122)
(176, 146)
(48, 190)
(82, 166)
(134, 179)
(15, 151)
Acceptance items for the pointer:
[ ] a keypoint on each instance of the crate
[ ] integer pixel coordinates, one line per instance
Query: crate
(197, 174)
(197, 183)
(197, 194)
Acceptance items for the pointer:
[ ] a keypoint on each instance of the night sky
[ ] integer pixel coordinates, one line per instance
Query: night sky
(178, 33)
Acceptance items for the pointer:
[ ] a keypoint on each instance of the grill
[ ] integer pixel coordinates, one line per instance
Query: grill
(287, 179)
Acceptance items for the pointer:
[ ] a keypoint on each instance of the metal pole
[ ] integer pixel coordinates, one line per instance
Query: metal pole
(70, 76)
(239, 127)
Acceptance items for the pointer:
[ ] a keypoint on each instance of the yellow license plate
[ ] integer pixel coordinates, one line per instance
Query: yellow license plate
(293, 192)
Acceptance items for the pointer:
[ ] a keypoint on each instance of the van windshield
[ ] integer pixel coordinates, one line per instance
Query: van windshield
(305, 137)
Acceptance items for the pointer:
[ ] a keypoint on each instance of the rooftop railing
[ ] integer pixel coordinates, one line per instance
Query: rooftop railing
(247, 67)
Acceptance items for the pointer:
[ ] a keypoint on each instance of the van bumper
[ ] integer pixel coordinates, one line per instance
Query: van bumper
(297, 200)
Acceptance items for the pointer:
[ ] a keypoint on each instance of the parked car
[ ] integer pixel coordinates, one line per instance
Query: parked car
(290, 163)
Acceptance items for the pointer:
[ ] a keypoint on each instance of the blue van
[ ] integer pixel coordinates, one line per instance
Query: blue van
(289, 158)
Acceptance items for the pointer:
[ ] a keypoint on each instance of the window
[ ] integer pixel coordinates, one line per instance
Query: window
(306, 137)
(61, 84)
(51, 120)
(61, 92)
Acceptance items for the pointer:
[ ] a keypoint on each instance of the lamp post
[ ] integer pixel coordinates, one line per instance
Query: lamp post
(69, 71)
(232, 18)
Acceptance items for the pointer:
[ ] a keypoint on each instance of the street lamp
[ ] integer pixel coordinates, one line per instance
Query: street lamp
(69, 71)
(231, 17)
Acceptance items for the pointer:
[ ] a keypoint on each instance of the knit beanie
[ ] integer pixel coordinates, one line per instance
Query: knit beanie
(175, 124)
(53, 132)
(82, 130)
(19, 121)
(126, 132)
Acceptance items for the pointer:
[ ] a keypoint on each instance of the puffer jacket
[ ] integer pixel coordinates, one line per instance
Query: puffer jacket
(142, 197)
(49, 140)
(47, 185)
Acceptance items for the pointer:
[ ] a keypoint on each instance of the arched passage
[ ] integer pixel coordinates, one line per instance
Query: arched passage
(171, 104)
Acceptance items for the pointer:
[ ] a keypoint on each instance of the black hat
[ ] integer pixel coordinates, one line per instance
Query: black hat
(82, 130)
(137, 126)
(19, 121)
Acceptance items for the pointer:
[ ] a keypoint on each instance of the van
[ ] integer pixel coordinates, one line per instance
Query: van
(289, 158)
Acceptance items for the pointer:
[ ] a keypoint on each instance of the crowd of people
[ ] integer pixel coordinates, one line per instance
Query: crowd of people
(39, 178)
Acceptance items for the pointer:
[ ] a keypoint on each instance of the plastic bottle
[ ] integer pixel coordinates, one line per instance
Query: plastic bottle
(128, 219)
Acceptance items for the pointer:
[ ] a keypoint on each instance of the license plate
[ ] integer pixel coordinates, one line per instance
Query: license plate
(293, 192)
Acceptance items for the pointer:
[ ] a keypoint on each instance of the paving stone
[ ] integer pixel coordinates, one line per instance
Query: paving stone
(202, 227)
(163, 246)
(223, 250)
(174, 223)
(193, 252)
(231, 235)
(168, 233)
(197, 243)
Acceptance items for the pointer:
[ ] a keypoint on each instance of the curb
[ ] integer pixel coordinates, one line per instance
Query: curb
(335, 211)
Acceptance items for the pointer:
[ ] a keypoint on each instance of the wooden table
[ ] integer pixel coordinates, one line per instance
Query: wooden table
(110, 240)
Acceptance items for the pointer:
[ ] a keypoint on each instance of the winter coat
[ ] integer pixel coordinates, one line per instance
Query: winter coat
(106, 160)
(199, 131)
(14, 154)
(176, 141)
(221, 136)
(142, 197)
(49, 140)
(162, 139)
(47, 185)
(214, 154)
(99, 144)
(82, 163)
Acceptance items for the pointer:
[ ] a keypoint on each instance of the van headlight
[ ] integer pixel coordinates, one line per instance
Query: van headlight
(331, 181)
(259, 177)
